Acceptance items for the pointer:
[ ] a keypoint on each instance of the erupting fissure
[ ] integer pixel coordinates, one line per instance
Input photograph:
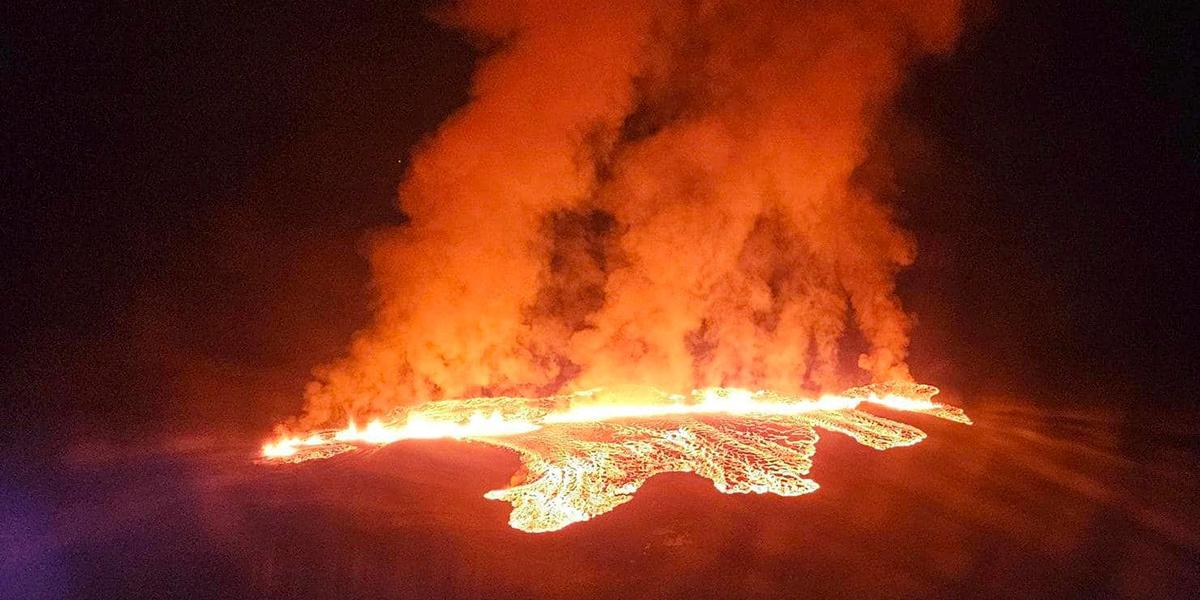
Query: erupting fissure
(588, 452)
(671, 193)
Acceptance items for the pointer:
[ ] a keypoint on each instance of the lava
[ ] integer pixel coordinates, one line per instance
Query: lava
(588, 452)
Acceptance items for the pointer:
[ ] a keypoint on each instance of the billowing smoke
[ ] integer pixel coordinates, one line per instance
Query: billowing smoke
(646, 191)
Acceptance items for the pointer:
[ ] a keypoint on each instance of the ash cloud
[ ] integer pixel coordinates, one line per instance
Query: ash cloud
(646, 192)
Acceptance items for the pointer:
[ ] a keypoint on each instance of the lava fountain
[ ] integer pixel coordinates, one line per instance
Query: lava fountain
(588, 452)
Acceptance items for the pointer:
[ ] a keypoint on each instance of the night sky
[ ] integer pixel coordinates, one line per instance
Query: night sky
(188, 187)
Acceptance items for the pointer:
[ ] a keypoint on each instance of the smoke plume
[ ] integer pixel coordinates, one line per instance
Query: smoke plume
(655, 192)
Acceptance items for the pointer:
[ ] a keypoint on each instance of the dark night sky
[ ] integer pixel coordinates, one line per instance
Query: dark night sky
(186, 187)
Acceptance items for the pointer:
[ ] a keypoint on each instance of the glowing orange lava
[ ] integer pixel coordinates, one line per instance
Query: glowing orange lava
(586, 453)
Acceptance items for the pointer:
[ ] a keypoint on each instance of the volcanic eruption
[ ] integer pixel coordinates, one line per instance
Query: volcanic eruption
(643, 246)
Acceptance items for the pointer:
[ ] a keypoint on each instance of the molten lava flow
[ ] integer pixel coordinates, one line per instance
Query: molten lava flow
(588, 452)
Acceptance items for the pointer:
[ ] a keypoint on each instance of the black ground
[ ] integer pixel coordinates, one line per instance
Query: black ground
(1024, 503)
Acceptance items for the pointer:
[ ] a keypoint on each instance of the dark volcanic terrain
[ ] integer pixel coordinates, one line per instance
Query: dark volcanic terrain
(1024, 502)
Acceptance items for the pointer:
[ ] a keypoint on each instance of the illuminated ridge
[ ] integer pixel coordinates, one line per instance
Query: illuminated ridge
(589, 452)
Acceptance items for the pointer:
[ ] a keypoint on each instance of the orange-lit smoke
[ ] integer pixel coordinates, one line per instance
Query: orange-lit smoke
(650, 192)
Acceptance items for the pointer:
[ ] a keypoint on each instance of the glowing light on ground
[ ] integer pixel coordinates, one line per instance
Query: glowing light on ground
(588, 452)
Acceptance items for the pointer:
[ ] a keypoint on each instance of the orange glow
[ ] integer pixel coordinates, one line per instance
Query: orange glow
(417, 427)
(645, 192)
(588, 452)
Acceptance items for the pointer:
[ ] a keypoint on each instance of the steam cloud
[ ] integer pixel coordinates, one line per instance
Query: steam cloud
(655, 192)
